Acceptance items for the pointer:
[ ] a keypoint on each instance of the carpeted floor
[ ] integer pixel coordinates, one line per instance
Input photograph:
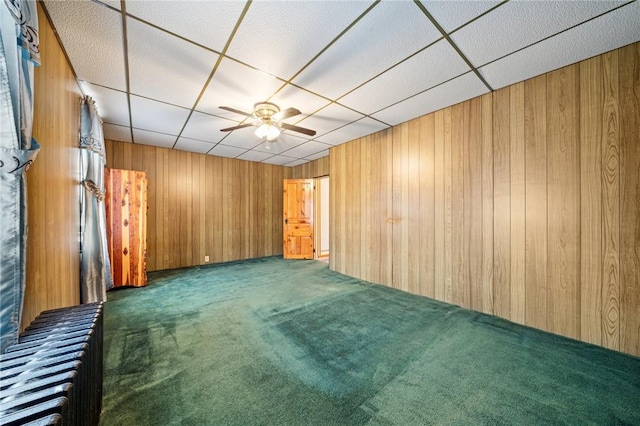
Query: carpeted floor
(276, 342)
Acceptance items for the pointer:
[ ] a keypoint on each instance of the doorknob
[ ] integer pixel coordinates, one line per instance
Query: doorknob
(286, 221)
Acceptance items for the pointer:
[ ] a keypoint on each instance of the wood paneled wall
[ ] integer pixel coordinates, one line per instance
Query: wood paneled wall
(523, 203)
(53, 189)
(312, 169)
(201, 205)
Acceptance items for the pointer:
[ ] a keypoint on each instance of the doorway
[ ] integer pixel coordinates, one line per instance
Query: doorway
(321, 219)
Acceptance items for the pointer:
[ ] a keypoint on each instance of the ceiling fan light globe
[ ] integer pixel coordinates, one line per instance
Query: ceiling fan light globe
(267, 131)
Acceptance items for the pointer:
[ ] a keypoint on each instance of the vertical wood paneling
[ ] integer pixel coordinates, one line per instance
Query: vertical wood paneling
(53, 190)
(439, 207)
(400, 219)
(610, 292)
(629, 58)
(487, 204)
(517, 198)
(459, 291)
(563, 209)
(426, 224)
(447, 178)
(501, 203)
(535, 122)
(473, 203)
(591, 114)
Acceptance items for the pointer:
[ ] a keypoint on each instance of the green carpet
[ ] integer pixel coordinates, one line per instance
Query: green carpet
(275, 342)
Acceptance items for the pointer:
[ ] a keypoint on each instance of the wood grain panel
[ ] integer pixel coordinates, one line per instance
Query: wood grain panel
(459, 290)
(312, 169)
(591, 110)
(629, 76)
(610, 169)
(563, 186)
(426, 222)
(487, 204)
(517, 198)
(501, 203)
(473, 259)
(401, 196)
(53, 193)
(535, 122)
(439, 207)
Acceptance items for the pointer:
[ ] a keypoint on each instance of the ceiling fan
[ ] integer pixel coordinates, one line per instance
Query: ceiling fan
(268, 120)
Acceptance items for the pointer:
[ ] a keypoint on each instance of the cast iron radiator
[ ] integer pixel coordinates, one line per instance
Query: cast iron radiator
(53, 375)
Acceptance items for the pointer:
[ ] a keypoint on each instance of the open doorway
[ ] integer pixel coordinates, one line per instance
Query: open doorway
(321, 219)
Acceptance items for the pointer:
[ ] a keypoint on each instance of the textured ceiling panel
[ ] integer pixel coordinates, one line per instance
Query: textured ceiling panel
(307, 149)
(306, 102)
(227, 151)
(151, 115)
(620, 26)
(452, 14)
(91, 30)
(166, 68)
(206, 127)
(386, 35)
(255, 156)
(329, 119)
(317, 155)
(192, 145)
(362, 127)
(237, 86)
(281, 37)
(427, 69)
(279, 160)
(112, 105)
(242, 138)
(515, 25)
(454, 91)
(284, 143)
(191, 19)
(151, 138)
(116, 133)
(112, 3)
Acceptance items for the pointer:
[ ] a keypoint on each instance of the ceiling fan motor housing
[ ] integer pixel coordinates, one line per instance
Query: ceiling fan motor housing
(265, 110)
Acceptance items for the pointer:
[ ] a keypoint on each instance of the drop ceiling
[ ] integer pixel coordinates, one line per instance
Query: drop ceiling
(160, 70)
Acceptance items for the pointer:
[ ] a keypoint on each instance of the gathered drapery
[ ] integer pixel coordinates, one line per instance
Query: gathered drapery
(95, 268)
(19, 22)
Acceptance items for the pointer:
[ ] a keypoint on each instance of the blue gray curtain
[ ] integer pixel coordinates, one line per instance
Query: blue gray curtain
(19, 53)
(95, 268)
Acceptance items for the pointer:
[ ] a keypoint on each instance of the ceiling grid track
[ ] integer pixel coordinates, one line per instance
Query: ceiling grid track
(125, 48)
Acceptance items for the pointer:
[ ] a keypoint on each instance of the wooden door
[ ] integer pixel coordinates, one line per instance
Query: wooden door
(126, 208)
(298, 218)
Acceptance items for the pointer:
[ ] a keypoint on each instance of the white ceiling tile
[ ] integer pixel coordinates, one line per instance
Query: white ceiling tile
(206, 127)
(116, 133)
(164, 67)
(306, 102)
(91, 30)
(363, 127)
(152, 138)
(320, 154)
(330, 118)
(112, 105)
(283, 143)
(307, 149)
(193, 145)
(296, 163)
(281, 37)
(113, 3)
(191, 19)
(427, 69)
(255, 156)
(226, 151)
(237, 86)
(157, 116)
(279, 160)
(452, 92)
(452, 14)
(242, 138)
(519, 23)
(587, 40)
(366, 50)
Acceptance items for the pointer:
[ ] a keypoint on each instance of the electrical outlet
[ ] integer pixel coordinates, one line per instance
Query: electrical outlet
(206, 258)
